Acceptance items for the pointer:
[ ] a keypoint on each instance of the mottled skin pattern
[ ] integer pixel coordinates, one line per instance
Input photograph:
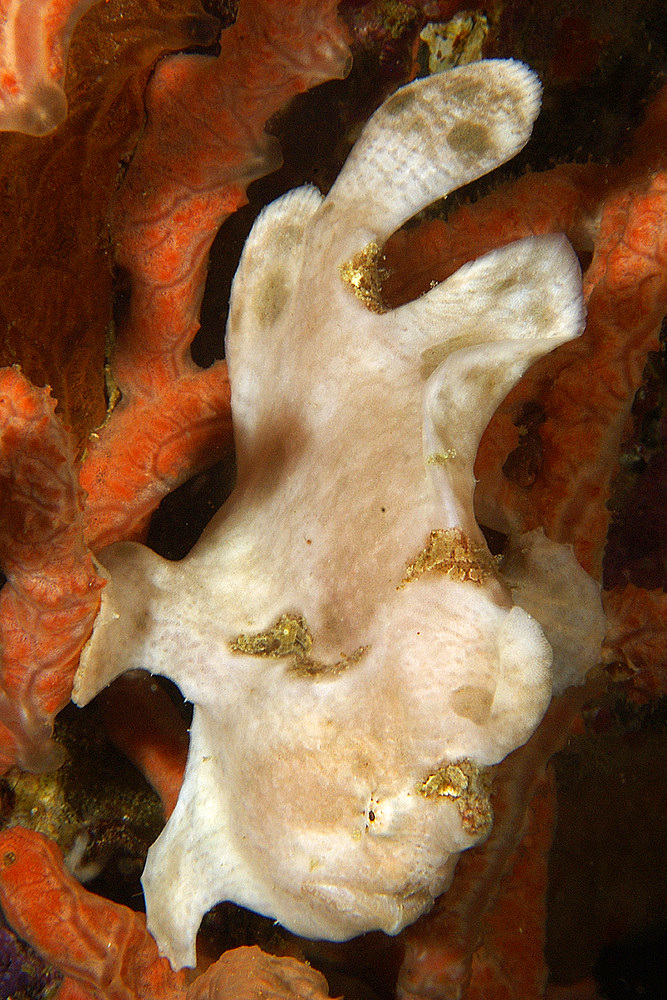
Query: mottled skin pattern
(173, 418)
(180, 187)
(558, 474)
(52, 594)
(556, 471)
(331, 400)
(637, 630)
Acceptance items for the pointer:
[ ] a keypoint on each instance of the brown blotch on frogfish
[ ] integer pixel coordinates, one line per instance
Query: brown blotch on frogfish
(353, 457)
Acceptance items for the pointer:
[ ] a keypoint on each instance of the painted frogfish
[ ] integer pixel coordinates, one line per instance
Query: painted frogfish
(355, 659)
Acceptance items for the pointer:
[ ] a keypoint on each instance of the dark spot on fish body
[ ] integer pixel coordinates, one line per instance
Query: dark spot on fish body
(506, 284)
(271, 298)
(470, 140)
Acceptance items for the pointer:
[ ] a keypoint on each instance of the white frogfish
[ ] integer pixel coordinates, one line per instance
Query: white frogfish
(355, 660)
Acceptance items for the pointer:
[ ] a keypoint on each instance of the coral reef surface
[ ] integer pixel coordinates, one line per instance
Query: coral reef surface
(574, 450)
(34, 42)
(333, 806)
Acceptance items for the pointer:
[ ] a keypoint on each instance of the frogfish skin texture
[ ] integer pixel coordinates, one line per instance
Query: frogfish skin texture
(355, 660)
